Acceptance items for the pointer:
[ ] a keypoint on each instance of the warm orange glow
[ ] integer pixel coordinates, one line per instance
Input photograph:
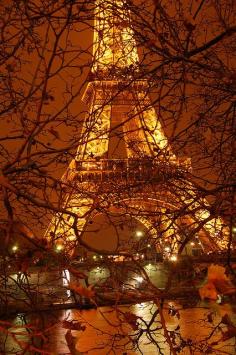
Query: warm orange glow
(144, 138)
(114, 42)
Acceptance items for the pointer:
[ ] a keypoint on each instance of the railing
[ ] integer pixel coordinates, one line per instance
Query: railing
(129, 169)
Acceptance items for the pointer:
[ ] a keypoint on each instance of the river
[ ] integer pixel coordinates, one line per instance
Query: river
(106, 332)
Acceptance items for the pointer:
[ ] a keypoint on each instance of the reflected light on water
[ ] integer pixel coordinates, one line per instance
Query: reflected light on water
(100, 336)
(66, 281)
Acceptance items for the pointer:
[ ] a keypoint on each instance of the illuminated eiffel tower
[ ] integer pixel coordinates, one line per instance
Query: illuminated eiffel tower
(125, 166)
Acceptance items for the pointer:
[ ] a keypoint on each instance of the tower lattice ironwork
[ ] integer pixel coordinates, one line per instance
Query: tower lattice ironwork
(125, 164)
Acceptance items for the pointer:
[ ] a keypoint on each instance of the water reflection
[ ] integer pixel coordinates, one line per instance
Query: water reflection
(66, 281)
(106, 332)
(101, 336)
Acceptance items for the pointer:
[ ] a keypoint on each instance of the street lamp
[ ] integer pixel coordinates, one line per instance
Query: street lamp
(173, 258)
(139, 233)
(139, 279)
(14, 248)
(59, 247)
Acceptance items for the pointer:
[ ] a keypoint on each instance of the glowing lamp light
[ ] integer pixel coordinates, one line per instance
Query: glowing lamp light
(167, 249)
(59, 247)
(14, 248)
(173, 258)
(94, 257)
(192, 243)
(234, 229)
(139, 279)
(149, 245)
(139, 233)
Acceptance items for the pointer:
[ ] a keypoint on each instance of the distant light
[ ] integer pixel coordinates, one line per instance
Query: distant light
(199, 243)
(173, 258)
(142, 256)
(94, 257)
(234, 229)
(139, 279)
(139, 233)
(14, 248)
(101, 257)
(192, 243)
(149, 245)
(59, 247)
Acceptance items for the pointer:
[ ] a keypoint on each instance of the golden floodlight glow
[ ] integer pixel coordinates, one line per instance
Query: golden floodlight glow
(139, 233)
(14, 248)
(111, 105)
(114, 42)
(59, 247)
(139, 279)
(173, 258)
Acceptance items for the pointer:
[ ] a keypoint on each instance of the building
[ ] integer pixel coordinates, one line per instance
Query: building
(125, 172)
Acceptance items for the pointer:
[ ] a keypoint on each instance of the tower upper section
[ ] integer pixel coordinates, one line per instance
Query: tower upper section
(114, 44)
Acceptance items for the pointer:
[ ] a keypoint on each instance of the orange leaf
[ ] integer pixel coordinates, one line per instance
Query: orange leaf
(73, 325)
(131, 319)
(77, 273)
(82, 291)
(230, 333)
(208, 291)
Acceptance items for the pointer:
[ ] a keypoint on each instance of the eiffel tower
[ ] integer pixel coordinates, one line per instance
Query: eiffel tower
(126, 169)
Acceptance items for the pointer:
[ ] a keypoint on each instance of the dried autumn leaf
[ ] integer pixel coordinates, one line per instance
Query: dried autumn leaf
(87, 292)
(217, 283)
(208, 291)
(216, 272)
(230, 333)
(210, 317)
(131, 319)
(225, 287)
(77, 273)
(226, 319)
(73, 325)
(71, 342)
